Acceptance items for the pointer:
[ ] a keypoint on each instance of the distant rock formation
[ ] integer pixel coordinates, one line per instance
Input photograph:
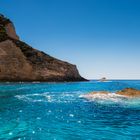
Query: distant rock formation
(21, 62)
(103, 79)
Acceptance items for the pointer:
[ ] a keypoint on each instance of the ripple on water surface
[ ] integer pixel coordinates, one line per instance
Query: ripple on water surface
(59, 111)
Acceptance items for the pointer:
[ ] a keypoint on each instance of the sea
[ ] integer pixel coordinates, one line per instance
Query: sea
(59, 111)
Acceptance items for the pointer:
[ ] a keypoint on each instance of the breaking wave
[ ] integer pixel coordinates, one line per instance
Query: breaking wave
(65, 97)
(111, 98)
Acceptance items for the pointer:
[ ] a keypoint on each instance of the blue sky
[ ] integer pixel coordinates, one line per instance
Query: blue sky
(102, 37)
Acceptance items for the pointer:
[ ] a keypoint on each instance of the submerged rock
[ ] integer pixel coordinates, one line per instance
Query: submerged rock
(21, 62)
(94, 94)
(127, 93)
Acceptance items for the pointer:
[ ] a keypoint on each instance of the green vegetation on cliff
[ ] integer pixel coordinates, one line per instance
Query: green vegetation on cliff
(3, 22)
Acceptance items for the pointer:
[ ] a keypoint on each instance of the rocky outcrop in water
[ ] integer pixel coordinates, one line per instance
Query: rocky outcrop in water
(103, 79)
(21, 62)
(127, 93)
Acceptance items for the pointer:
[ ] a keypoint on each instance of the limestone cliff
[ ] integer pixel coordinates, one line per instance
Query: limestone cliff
(21, 62)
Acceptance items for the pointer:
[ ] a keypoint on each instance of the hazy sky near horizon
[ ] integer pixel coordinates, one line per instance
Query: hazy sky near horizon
(102, 37)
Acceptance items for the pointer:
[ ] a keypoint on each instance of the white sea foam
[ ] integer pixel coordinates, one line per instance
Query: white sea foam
(71, 115)
(36, 82)
(48, 97)
(112, 98)
(103, 97)
(70, 97)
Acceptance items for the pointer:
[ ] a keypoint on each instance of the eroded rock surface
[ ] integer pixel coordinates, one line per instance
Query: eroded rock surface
(10, 30)
(127, 93)
(21, 62)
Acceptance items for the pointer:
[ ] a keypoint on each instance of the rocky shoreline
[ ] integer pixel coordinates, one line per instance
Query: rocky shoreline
(21, 62)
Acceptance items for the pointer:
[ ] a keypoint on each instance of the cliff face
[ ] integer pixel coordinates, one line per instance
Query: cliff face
(21, 62)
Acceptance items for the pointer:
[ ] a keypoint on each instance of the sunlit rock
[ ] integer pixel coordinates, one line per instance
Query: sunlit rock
(21, 62)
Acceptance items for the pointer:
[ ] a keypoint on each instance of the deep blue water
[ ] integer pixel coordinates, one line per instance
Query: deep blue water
(56, 111)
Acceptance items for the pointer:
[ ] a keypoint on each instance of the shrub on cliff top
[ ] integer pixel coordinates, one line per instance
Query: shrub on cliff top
(4, 20)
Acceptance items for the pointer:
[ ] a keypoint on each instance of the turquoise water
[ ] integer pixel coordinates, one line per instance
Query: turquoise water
(56, 111)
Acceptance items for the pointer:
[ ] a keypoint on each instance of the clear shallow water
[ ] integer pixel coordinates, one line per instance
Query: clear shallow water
(56, 111)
